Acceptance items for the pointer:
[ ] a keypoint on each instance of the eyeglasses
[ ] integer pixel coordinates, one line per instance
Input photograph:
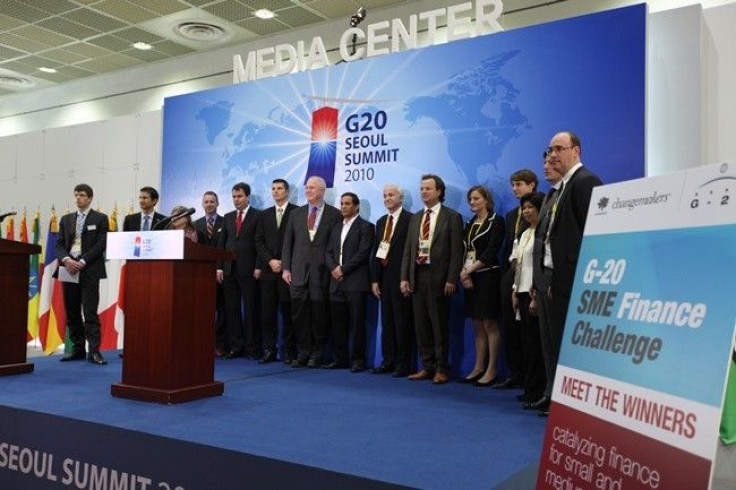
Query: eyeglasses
(557, 149)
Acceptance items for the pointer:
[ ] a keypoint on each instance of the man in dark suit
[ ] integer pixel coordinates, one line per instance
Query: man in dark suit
(396, 314)
(564, 235)
(430, 270)
(347, 258)
(542, 280)
(304, 270)
(274, 291)
(148, 218)
(210, 226)
(523, 182)
(80, 249)
(239, 276)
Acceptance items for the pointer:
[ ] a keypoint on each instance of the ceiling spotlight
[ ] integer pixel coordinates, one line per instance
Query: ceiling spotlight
(142, 46)
(358, 17)
(47, 70)
(264, 14)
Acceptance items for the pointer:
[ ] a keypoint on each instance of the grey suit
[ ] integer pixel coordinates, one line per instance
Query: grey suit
(427, 282)
(304, 258)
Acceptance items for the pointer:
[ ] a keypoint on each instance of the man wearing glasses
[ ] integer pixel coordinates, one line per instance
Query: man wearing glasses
(564, 232)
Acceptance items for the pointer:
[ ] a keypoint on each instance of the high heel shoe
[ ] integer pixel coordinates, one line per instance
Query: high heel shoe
(486, 384)
(472, 379)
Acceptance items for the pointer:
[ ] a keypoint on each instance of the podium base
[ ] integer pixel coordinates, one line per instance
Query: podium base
(168, 397)
(20, 368)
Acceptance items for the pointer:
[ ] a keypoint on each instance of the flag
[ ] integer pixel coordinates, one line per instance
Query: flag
(10, 229)
(728, 419)
(111, 297)
(33, 282)
(51, 316)
(23, 229)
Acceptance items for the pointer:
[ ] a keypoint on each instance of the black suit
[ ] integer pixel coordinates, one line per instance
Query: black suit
(133, 222)
(84, 296)
(542, 280)
(348, 295)
(396, 314)
(213, 241)
(274, 291)
(515, 226)
(427, 282)
(565, 237)
(239, 283)
(304, 258)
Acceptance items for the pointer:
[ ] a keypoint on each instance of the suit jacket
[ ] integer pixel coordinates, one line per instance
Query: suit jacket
(270, 239)
(243, 243)
(132, 222)
(356, 251)
(392, 270)
(445, 253)
(539, 280)
(94, 241)
(566, 231)
(301, 256)
(487, 242)
(201, 226)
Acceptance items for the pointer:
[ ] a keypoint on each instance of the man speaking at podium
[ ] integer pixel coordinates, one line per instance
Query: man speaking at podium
(80, 250)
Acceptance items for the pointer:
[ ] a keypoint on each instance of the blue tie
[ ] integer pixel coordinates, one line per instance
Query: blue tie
(146, 220)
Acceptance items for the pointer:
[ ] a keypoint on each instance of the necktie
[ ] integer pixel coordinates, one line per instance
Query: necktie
(239, 222)
(424, 235)
(79, 225)
(146, 223)
(279, 217)
(312, 218)
(210, 227)
(387, 235)
(553, 212)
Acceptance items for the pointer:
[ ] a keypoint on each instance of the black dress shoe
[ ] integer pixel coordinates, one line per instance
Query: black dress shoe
(313, 364)
(74, 356)
(288, 360)
(485, 384)
(335, 365)
(234, 353)
(357, 368)
(268, 356)
(299, 362)
(472, 379)
(382, 369)
(96, 358)
(542, 404)
(507, 384)
(400, 373)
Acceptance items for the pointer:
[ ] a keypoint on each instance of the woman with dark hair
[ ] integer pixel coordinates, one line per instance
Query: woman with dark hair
(480, 276)
(535, 379)
(186, 224)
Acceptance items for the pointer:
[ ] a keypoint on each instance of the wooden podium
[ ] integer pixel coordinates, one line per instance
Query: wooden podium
(169, 339)
(14, 267)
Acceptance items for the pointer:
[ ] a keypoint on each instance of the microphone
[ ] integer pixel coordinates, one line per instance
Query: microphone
(164, 223)
(3, 216)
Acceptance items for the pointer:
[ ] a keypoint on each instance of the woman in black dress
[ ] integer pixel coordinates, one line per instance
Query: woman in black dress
(480, 276)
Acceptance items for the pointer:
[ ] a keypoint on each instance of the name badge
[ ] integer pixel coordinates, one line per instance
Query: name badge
(424, 248)
(383, 248)
(91, 227)
(469, 258)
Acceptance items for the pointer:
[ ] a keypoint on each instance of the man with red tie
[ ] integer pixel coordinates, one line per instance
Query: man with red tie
(430, 269)
(304, 270)
(396, 315)
(239, 276)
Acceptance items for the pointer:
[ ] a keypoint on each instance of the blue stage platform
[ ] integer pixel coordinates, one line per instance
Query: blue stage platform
(275, 427)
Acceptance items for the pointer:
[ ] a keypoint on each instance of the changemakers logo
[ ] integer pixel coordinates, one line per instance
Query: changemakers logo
(630, 203)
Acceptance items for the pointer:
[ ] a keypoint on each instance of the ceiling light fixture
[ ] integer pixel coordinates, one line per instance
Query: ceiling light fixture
(47, 70)
(142, 46)
(264, 14)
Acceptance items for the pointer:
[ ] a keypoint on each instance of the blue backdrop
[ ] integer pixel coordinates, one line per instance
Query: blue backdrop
(472, 111)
